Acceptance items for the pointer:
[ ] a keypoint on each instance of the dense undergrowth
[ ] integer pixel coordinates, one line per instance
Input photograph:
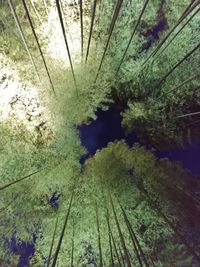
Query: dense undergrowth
(38, 132)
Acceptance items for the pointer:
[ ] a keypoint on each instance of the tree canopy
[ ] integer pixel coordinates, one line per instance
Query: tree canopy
(60, 62)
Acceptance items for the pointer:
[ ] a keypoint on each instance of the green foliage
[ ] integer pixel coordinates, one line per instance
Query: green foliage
(38, 131)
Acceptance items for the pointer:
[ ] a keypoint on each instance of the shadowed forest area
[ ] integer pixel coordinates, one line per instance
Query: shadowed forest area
(99, 133)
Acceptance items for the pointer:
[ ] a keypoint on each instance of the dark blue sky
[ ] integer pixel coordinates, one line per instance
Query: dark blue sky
(107, 128)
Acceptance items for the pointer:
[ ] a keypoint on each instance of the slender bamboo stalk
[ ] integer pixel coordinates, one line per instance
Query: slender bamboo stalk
(66, 43)
(177, 65)
(188, 8)
(134, 30)
(185, 13)
(179, 86)
(134, 245)
(188, 114)
(7, 26)
(62, 233)
(112, 241)
(183, 26)
(38, 44)
(19, 180)
(98, 24)
(65, 21)
(46, 8)
(171, 225)
(115, 248)
(181, 191)
(12, 8)
(126, 255)
(122, 257)
(91, 28)
(4, 22)
(151, 260)
(52, 243)
(81, 21)
(182, 199)
(112, 25)
(9, 203)
(135, 240)
(72, 257)
(99, 238)
(36, 12)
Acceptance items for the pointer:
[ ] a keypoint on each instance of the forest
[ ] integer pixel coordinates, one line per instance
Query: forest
(66, 198)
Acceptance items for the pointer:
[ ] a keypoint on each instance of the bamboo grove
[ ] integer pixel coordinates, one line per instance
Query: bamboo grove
(61, 61)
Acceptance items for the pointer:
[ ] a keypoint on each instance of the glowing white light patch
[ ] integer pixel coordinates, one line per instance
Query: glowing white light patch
(55, 44)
